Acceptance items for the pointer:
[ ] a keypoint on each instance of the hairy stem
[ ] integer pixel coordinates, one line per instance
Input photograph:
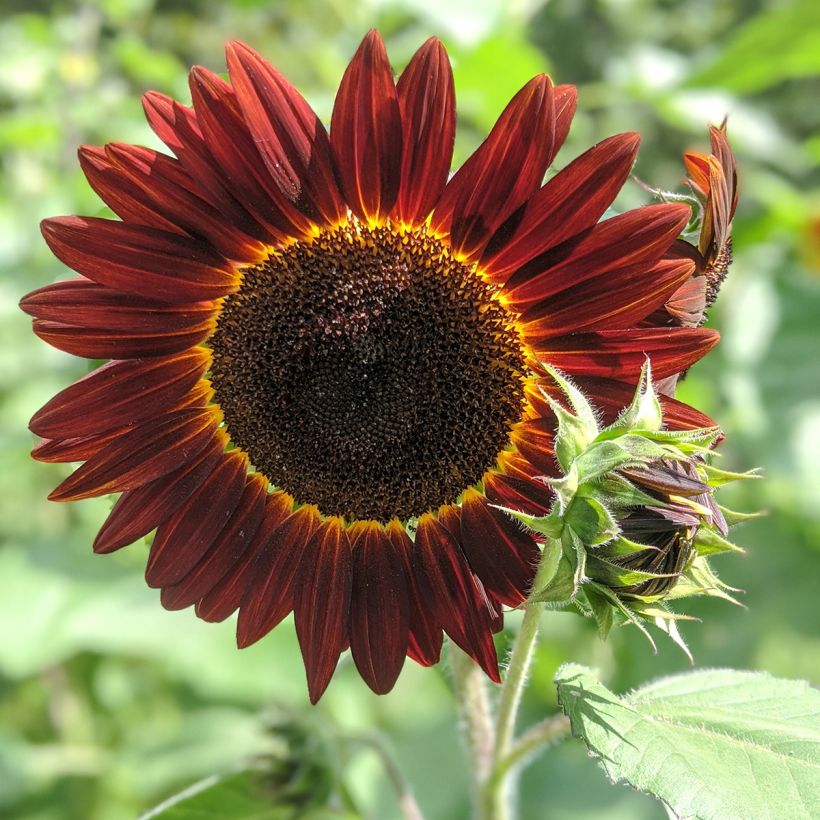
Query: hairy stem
(475, 714)
(497, 796)
(536, 738)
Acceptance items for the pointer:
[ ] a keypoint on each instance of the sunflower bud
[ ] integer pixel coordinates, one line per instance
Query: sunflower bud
(635, 517)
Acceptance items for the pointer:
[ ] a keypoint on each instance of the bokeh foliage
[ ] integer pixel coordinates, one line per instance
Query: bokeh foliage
(108, 704)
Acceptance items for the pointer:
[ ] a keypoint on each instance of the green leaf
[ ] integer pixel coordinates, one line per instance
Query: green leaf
(245, 795)
(712, 744)
(780, 43)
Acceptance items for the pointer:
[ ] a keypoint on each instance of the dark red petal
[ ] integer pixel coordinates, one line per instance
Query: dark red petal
(428, 112)
(185, 537)
(75, 448)
(425, 636)
(620, 354)
(119, 393)
(456, 599)
(379, 609)
(86, 319)
(270, 584)
(512, 463)
(634, 240)
(177, 126)
(617, 299)
(81, 448)
(125, 198)
(528, 495)
(321, 603)
(100, 344)
(228, 548)
(232, 146)
(571, 202)
(502, 173)
(289, 136)
(152, 449)
(139, 260)
(84, 303)
(366, 132)
(502, 555)
(139, 511)
(687, 305)
(566, 99)
(226, 594)
(449, 516)
(535, 441)
(166, 187)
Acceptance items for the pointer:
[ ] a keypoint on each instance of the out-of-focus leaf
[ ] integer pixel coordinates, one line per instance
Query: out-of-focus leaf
(714, 744)
(242, 796)
(778, 44)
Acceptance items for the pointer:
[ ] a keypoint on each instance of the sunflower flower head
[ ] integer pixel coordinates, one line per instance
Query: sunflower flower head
(712, 180)
(325, 349)
(635, 517)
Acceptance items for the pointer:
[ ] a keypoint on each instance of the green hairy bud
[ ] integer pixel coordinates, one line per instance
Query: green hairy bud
(635, 518)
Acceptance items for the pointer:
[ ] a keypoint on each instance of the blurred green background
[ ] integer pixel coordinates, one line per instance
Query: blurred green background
(109, 704)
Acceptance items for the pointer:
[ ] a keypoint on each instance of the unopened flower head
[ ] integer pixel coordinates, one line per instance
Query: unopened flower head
(635, 517)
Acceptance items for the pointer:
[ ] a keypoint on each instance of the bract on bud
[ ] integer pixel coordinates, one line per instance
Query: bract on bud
(635, 518)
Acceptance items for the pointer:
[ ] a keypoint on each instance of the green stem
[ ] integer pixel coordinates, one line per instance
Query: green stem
(408, 806)
(475, 714)
(496, 798)
(536, 738)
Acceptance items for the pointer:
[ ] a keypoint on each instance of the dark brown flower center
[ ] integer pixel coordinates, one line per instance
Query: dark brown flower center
(368, 372)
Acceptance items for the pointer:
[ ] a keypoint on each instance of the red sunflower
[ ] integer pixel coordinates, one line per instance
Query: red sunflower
(326, 354)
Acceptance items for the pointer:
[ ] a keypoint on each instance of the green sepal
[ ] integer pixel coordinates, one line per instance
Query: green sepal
(551, 525)
(591, 521)
(577, 400)
(710, 542)
(653, 610)
(668, 624)
(572, 437)
(715, 477)
(601, 610)
(576, 551)
(617, 492)
(643, 448)
(561, 589)
(621, 547)
(619, 605)
(689, 442)
(644, 411)
(699, 579)
(565, 488)
(615, 576)
(603, 457)
(733, 517)
(551, 554)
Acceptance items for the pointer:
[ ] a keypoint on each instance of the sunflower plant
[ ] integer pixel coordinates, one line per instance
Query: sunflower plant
(394, 401)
